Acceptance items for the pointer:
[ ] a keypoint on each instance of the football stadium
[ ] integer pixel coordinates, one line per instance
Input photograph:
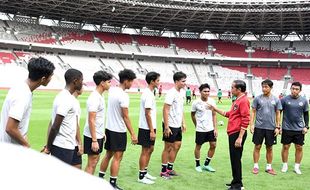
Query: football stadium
(212, 41)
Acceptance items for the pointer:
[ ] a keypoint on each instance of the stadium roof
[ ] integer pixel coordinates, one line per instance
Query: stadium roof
(224, 16)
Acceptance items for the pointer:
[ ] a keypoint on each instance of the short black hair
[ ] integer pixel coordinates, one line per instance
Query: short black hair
(40, 67)
(178, 76)
(240, 84)
(203, 86)
(126, 74)
(296, 83)
(268, 82)
(151, 76)
(72, 74)
(100, 76)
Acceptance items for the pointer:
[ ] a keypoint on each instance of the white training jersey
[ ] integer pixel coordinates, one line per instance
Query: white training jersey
(17, 105)
(175, 99)
(147, 101)
(204, 119)
(65, 105)
(95, 103)
(117, 100)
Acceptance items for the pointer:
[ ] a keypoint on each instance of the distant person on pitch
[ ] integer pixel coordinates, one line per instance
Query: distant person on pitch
(147, 127)
(265, 124)
(204, 121)
(188, 95)
(94, 136)
(16, 108)
(160, 91)
(219, 96)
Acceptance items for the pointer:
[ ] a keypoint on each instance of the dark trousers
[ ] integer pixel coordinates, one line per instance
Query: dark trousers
(235, 159)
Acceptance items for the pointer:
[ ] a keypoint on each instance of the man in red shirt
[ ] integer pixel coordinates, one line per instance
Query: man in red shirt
(238, 121)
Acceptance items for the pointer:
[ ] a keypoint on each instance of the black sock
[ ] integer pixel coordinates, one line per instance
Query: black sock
(101, 174)
(197, 162)
(113, 181)
(207, 162)
(170, 166)
(142, 174)
(163, 167)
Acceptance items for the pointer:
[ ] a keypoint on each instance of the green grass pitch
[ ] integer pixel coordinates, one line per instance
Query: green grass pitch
(185, 162)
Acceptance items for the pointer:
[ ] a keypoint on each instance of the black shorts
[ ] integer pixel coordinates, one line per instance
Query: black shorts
(295, 137)
(144, 138)
(188, 98)
(261, 134)
(202, 137)
(77, 159)
(219, 98)
(115, 141)
(65, 155)
(87, 146)
(176, 134)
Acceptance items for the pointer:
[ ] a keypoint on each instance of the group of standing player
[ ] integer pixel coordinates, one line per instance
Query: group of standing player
(64, 141)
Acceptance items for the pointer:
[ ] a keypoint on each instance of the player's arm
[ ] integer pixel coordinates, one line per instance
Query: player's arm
(183, 123)
(149, 123)
(245, 119)
(166, 110)
(193, 118)
(278, 118)
(48, 132)
(92, 129)
(78, 136)
(127, 121)
(12, 130)
(217, 110)
(252, 120)
(214, 119)
(306, 120)
(54, 131)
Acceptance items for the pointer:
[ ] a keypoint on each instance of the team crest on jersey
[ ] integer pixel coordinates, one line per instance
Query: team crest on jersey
(301, 104)
(235, 107)
(273, 102)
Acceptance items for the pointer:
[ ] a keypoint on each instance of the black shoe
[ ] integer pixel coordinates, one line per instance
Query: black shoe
(116, 187)
(229, 186)
(234, 188)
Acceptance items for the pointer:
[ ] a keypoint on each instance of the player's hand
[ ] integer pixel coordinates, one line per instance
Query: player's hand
(81, 151)
(252, 129)
(238, 142)
(134, 139)
(167, 132)
(215, 133)
(304, 130)
(209, 106)
(45, 150)
(183, 128)
(104, 138)
(95, 146)
(276, 132)
(152, 135)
